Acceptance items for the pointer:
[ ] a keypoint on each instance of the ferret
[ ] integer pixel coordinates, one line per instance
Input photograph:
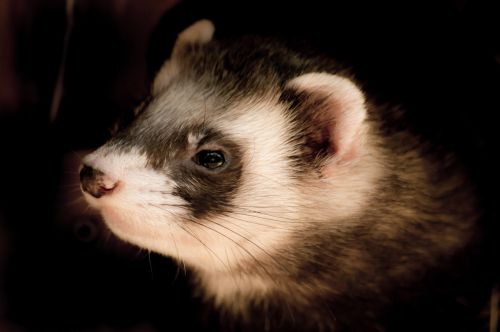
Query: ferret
(297, 202)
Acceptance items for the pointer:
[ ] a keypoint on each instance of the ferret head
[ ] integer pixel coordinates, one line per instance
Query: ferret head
(239, 147)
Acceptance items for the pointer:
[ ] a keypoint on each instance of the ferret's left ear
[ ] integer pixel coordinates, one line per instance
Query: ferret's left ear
(200, 32)
(336, 112)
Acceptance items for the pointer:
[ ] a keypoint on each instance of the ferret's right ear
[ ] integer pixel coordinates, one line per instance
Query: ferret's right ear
(200, 32)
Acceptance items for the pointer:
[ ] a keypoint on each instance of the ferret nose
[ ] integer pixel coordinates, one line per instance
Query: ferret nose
(95, 182)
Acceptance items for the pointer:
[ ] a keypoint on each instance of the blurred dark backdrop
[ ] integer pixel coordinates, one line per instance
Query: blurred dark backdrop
(60, 270)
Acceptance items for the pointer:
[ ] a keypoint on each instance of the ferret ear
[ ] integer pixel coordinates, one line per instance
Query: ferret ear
(334, 112)
(200, 32)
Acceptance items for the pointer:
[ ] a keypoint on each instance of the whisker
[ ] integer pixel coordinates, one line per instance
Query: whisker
(238, 245)
(73, 191)
(107, 238)
(235, 242)
(236, 225)
(174, 205)
(270, 217)
(286, 185)
(254, 222)
(78, 156)
(274, 207)
(247, 239)
(227, 267)
(150, 265)
(75, 201)
(190, 232)
(179, 260)
(279, 219)
(184, 226)
(231, 272)
(163, 209)
(70, 185)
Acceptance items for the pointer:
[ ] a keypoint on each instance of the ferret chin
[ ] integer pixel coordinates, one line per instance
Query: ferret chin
(298, 203)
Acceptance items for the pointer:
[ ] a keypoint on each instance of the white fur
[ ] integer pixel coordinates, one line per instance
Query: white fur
(234, 289)
(350, 175)
(134, 211)
(130, 209)
(283, 205)
(271, 203)
(346, 106)
(263, 200)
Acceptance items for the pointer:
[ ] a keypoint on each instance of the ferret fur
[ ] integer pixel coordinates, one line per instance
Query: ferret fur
(325, 214)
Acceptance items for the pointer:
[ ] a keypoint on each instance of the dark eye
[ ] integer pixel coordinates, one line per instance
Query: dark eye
(210, 159)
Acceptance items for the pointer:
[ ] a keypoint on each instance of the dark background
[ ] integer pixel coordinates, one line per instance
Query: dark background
(60, 270)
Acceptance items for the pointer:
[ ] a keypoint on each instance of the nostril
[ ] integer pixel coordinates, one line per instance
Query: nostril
(95, 182)
(86, 173)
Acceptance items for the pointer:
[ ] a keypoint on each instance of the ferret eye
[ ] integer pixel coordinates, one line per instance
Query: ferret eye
(210, 159)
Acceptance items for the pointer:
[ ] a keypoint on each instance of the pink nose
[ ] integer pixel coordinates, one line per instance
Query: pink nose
(95, 182)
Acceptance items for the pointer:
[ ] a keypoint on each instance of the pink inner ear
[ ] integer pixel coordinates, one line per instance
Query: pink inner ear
(344, 105)
(348, 130)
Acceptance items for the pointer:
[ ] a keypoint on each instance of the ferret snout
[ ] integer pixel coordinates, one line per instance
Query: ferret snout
(95, 182)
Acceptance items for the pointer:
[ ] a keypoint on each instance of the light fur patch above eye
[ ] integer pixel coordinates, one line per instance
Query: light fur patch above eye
(194, 139)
